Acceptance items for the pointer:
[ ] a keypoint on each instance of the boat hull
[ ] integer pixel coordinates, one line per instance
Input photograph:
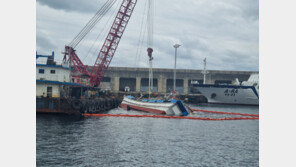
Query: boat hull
(167, 108)
(230, 94)
(139, 108)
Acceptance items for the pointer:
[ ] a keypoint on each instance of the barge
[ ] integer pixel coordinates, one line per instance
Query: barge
(56, 93)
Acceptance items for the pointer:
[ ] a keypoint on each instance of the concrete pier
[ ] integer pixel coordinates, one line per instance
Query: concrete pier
(117, 78)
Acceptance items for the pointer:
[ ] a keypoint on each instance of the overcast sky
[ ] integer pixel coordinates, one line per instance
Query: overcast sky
(226, 32)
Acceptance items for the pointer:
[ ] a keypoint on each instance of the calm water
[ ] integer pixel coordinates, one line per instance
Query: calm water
(107, 141)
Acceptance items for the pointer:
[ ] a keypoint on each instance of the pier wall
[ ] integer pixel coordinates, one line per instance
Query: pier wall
(137, 78)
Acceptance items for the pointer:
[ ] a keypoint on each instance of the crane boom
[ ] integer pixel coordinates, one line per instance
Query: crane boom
(109, 47)
(78, 66)
(111, 42)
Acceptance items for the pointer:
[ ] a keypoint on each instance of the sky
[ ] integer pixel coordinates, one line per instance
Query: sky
(226, 32)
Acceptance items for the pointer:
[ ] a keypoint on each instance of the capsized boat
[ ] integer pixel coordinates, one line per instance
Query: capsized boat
(166, 107)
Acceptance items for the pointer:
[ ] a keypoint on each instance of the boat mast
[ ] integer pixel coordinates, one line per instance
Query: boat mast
(205, 72)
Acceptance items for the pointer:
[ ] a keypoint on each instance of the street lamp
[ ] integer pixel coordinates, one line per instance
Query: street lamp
(176, 47)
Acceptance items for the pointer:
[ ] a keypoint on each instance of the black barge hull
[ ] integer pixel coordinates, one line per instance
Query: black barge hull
(75, 106)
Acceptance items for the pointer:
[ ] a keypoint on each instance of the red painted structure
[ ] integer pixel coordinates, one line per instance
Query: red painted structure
(150, 110)
(108, 49)
(78, 66)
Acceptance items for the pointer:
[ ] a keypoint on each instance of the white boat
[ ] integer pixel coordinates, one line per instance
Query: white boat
(245, 93)
(169, 107)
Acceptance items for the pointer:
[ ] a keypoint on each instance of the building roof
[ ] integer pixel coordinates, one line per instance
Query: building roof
(54, 66)
(60, 83)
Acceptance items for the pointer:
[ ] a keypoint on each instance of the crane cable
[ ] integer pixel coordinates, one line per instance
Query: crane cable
(99, 35)
(141, 35)
(150, 18)
(92, 22)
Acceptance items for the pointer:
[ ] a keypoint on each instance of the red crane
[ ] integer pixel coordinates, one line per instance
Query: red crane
(109, 47)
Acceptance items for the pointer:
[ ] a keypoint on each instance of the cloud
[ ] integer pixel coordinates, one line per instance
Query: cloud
(44, 42)
(85, 6)
(224, 31)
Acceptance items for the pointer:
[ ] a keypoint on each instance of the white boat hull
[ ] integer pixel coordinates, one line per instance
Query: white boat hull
(230, 94)
(167, 108)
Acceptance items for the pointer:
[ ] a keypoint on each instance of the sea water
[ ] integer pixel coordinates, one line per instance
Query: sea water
(114, 141)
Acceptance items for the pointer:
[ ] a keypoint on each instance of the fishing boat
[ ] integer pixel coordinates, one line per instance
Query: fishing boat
(164, 107)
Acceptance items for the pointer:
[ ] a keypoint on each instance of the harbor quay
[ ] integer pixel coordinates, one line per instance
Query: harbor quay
(128, 79)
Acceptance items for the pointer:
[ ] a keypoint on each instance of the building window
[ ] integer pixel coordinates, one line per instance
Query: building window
(49, 91)
(41, 71)
(52, 71)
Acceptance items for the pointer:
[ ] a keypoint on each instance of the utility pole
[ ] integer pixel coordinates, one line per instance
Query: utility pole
(176, 46)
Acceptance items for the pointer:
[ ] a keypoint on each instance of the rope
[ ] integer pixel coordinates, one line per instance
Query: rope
(170, 117)
(104, 28)
(93, 21)
(141, 35)
(141, 48)
(87, 25)
(150, 19)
